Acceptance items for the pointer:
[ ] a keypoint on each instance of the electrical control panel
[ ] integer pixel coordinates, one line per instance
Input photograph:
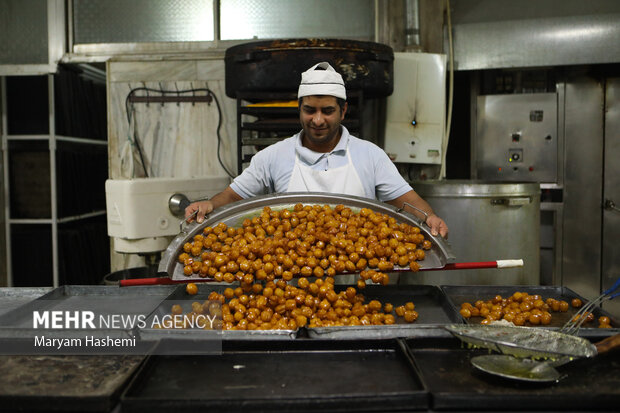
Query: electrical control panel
(517, 137)
(416, 111)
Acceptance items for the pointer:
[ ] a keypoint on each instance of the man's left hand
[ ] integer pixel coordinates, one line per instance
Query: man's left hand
(438, 226)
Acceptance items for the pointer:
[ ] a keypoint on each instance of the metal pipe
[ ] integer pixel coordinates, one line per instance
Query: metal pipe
(7, 203)
(412, 23)
(376, 5)
(70, 33)
(81, 140)
(53, 186)
(216, 23)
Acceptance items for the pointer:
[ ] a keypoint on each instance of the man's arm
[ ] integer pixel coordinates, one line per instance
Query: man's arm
(205, 207)
(437, 225)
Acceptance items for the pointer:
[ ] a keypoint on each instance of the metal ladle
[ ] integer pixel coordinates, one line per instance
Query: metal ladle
(525, 369)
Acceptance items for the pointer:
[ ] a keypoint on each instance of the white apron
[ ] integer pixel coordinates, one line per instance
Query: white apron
(341, 180)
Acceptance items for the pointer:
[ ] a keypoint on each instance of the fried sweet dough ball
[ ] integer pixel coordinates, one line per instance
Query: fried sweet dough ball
(271, 249)
(520, 308)
(310, 240)
(282, 306)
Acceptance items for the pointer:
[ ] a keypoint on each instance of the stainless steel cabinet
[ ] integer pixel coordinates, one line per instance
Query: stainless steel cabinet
(580, 225)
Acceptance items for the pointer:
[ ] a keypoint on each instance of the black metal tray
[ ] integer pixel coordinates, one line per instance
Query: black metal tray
(301, 375)
(13, 297)
(64, 383)
(456, 295)
(181, 297)
(99, 299)
(433, 308)
(454, 384)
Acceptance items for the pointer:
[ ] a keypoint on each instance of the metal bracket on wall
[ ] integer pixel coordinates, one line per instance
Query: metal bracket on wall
(610, 205)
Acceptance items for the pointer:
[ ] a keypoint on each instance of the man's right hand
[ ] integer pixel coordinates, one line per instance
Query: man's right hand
(200, 208)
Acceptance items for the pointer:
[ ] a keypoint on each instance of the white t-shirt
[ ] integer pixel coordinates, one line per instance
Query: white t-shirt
(270, 169)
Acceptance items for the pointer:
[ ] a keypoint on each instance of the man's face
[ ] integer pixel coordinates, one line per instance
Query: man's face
(320, 118)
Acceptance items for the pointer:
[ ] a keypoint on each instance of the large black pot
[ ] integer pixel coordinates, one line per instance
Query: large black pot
(276, 65)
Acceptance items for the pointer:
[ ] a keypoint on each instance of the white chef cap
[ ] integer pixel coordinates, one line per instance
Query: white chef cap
(321, 79)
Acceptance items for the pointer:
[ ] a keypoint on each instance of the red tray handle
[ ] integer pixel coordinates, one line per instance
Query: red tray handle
(160, 281)
(146, 281)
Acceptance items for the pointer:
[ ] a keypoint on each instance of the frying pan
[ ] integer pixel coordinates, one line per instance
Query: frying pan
(439, 257)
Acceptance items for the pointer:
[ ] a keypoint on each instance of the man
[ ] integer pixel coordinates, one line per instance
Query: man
(323, 157)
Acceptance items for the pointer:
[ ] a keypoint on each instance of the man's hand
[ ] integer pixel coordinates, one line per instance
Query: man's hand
(438, 226)
(200, 208)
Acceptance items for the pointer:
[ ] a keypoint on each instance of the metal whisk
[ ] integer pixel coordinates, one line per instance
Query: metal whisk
(573, 325)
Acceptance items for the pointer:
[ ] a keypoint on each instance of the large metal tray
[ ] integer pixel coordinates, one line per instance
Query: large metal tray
(454, 384)
(181, 297)
(431, 304)
(64, 383)
(13, 297)
(471, 293)
(300, 375)
(233, 215)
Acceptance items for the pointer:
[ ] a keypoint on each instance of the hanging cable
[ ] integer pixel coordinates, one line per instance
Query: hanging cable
(219, 138)
(442, 173)
(131, 96)
(131, 116)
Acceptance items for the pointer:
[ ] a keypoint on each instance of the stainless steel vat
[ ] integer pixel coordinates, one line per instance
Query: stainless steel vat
(487, 221)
